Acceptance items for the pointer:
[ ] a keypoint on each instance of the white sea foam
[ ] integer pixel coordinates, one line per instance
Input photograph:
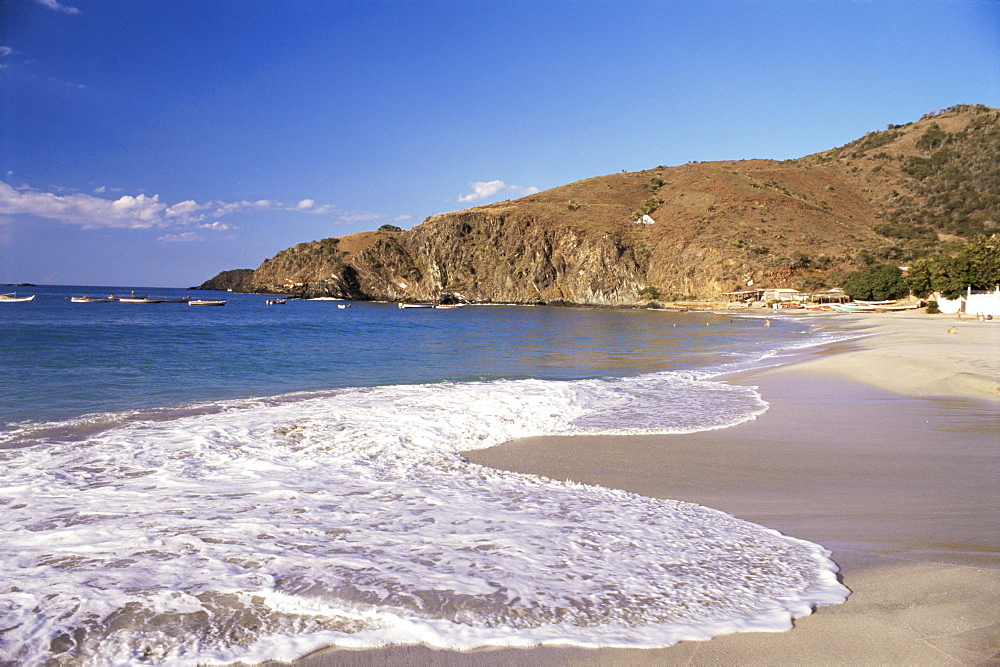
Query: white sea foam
(268, 528)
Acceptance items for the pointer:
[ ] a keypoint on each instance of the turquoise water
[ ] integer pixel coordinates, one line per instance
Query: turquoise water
(198, 485)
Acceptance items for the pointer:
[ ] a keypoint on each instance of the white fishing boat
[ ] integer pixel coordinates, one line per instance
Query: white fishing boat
(275, 302)
(13, 298)
(449, 306)
(416, 305)
(343, 306)
(140, 299)
(207, 302)
(90, 299)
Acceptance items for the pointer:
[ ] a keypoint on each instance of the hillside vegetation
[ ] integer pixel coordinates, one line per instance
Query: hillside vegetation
(911, 191)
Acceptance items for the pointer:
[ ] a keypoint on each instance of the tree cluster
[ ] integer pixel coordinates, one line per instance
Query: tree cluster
(976, 265)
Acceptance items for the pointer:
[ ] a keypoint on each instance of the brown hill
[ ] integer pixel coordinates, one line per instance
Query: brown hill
(890, 196)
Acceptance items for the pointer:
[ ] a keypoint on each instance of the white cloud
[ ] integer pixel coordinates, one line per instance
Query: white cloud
(482, 190)
(5, 51)
(185, 209)
(131, 212)
(217, 226)
(183, 237)
(54, 4)
(128, 212)
(486, 189)
(90, 211)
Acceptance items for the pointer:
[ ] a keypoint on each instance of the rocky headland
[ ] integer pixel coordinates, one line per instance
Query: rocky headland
(667, 234)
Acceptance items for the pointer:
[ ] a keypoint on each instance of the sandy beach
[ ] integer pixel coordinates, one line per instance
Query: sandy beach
(884, 449)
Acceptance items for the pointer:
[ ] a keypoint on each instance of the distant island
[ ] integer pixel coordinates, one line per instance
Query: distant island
(907, 195)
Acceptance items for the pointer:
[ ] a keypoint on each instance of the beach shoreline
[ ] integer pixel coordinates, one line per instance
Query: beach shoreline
(883, 449)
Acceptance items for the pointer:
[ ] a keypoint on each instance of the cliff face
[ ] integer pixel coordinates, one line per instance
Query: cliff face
(692, 231)
(238, 280)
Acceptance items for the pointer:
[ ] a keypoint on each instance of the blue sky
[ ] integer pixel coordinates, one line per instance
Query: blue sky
(158, 142)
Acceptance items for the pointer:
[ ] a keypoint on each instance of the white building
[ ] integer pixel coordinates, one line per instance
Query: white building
(972, 303)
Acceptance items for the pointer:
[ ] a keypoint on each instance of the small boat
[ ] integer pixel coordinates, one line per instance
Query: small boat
(854, 308)
(275, 302)
(207, 302)
(90, 299)
(343, 306)
(323, 298)
(894, 309)
(13, 298)
(139, 299)
(416, 305)
(448, 306)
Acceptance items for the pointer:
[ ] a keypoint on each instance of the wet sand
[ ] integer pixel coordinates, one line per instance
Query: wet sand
(886, 450)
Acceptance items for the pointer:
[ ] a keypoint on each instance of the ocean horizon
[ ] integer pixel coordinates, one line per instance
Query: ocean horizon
(209, 484)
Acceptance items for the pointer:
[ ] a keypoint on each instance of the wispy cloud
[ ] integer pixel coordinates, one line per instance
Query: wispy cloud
(310, 206)
(5, 51)
(183, 237)
(486, 189)
(217, 226)
(135, 212)
(55, 5)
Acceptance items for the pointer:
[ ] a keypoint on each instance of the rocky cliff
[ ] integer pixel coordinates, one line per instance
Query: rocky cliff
(685, 232)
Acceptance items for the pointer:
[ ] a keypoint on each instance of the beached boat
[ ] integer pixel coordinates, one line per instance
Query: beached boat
(207, 302)
(853, 308)
(893, 309)
(13, 298)
(416, 305)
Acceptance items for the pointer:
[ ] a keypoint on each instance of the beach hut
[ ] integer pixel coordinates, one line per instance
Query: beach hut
(781, 294)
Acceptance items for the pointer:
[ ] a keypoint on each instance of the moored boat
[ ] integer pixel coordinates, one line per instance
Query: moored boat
(13, 298)
(207, 302)
(140, 299)
(275, 302)
(416, 305)
(90, 299)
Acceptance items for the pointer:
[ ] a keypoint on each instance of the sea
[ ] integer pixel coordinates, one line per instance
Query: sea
(203, 485)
